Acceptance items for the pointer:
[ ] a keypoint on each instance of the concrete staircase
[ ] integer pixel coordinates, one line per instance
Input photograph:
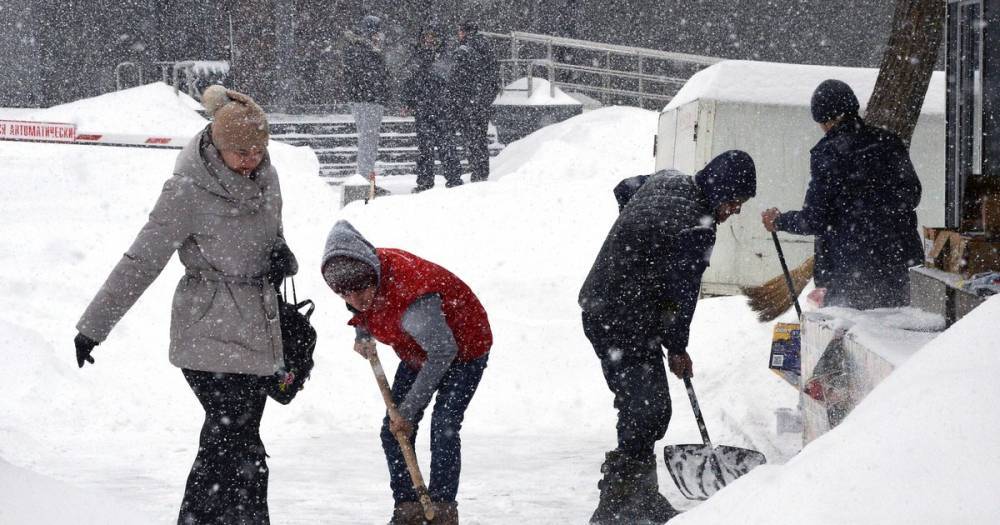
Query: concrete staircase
(334, 138)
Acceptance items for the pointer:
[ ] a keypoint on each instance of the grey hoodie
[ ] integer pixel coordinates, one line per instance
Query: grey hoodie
(423, 320)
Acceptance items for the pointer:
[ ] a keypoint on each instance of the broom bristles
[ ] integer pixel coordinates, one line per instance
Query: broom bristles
(772, 299)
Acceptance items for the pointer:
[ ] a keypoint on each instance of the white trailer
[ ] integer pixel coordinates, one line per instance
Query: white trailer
(763, 109)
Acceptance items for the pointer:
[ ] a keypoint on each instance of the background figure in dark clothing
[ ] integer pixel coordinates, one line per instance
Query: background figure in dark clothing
(425, 94)
(368, 91)
(475, 82)
(640, 297)
(861, 206)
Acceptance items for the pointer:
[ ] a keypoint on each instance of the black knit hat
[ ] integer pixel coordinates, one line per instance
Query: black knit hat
(832, 99)
(731, 176)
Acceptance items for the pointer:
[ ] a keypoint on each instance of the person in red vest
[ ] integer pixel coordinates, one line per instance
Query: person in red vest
(440, 332)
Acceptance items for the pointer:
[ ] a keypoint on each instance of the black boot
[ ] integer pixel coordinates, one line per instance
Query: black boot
(619, 487)
(648, 504)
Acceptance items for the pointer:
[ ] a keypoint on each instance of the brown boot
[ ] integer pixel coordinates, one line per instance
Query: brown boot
(407, 513)
(445, 513)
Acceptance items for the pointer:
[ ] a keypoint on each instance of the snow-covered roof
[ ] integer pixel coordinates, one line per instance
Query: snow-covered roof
(516, 94)
(779, 84)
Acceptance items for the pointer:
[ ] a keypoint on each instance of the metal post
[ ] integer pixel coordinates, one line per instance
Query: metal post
(552, 71)
(513, 56)
(642, 89)
(607, 77)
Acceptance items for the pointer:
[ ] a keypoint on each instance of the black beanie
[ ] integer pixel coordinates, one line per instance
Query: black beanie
(832, 99)
(731, 176)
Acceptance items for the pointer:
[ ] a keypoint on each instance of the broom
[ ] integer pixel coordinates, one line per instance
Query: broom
(772, 299)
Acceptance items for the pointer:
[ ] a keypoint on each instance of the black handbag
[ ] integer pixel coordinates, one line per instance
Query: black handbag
(298, 340)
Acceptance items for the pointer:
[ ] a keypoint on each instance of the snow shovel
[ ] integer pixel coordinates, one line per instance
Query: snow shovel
(701, 470)
(404, 441)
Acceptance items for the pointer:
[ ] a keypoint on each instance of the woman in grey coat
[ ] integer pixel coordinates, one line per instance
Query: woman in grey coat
(221, 211)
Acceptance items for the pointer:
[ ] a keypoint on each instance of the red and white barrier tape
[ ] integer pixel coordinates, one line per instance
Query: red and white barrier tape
(27, 131)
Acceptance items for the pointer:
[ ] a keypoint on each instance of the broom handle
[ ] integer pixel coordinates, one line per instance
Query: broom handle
(404, 441)
(788, 275)
(697, 411)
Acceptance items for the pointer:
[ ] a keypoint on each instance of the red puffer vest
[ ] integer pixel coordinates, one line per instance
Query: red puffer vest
(406, 277)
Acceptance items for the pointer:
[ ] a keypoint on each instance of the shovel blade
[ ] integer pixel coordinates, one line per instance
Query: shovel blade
(701, 470)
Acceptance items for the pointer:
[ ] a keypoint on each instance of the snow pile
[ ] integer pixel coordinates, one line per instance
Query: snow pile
(749, 81)
(921, 448)
(516, 94)
(152, 109)
(30, 498)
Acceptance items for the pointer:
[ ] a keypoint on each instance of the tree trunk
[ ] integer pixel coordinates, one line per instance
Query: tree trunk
(905, 72)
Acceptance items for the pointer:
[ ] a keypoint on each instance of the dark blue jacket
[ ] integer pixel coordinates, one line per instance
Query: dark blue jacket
(426, 90)
(649, 269)
(365, 73)
(860, 205)
(475, 80)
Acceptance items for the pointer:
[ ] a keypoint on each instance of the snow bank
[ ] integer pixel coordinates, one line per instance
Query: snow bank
(152, 109)
(516, 94)
(921, 448)
(26, 497)
(787, 84)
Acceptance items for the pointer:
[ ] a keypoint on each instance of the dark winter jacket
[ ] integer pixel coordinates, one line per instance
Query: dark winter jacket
(647, 275)
(475, 79)
(650, 266)
(426, 90)
(365, 73)
(860, 205)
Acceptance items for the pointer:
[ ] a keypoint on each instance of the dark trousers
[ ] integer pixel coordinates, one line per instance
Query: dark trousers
(453, 396)
(228, 481)
(632, 362)
(436, 138)
(473, 126)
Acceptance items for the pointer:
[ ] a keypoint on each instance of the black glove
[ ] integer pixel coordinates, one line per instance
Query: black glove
(283, 264)
(84, 345)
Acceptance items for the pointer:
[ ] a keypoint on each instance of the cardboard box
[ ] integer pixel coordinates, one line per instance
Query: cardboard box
(934, 248)
(990, 210)
(962, 253)
(786, 351)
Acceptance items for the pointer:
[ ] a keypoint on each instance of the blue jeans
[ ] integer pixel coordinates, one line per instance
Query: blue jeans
(452, 398)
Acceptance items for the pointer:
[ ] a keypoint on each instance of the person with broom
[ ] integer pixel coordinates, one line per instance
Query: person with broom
(860, 205)
(441, 333)
(639, 298)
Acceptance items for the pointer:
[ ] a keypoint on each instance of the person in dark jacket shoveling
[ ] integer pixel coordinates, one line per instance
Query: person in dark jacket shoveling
(639, 298)
(861, 206)
(441, 333)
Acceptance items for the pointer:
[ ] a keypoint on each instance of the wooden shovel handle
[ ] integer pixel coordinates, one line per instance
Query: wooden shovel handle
(404, 441)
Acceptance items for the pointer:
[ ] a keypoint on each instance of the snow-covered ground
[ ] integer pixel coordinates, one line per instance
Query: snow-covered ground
(126, 428)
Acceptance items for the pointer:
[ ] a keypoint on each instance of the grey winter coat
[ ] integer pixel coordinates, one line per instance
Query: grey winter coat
(223, 226)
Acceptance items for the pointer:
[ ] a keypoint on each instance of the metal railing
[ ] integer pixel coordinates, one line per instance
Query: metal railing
(189, 73)
(119, 85)
(652, 74)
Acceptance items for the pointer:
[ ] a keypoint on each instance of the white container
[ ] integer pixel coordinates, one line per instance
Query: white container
(763, 109)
